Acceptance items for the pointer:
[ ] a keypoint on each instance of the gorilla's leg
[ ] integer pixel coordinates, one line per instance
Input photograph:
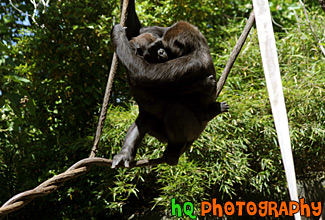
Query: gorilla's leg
(173, 152)
(183, 127)
(212, 110)
(132, 141)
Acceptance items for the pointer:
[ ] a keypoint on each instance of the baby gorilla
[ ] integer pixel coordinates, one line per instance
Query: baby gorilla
(148, 46)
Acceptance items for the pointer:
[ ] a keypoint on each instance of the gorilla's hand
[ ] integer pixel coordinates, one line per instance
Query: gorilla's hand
(123, 156)
(224, 107)
(212, 110)
(118, 32)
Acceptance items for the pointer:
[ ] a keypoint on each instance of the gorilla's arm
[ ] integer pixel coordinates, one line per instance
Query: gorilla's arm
(155, 30)
(132, 21)
(133, 24)
(194, 66)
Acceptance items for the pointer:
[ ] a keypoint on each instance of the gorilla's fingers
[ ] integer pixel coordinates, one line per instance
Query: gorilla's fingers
(224, 107)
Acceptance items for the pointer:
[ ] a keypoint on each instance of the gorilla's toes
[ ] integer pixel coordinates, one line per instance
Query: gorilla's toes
(122, 157)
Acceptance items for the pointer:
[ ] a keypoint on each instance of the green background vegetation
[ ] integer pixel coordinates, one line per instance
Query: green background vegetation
(52, 80)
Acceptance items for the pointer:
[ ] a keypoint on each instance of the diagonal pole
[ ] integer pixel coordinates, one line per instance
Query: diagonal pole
(274, 86)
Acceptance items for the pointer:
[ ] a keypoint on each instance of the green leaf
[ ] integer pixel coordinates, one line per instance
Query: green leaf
(3, 47)
(20, 79)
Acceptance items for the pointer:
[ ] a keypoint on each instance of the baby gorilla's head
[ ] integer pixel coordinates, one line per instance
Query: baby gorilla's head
(149, 47)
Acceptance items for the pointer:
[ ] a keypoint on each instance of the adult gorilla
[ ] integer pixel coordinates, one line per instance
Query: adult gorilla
(176, 98)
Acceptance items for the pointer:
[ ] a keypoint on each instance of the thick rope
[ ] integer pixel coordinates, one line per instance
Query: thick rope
(50, 185)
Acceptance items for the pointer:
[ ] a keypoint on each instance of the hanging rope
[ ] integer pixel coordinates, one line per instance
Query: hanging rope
(235, 52)
(83, 166)
(108, 90)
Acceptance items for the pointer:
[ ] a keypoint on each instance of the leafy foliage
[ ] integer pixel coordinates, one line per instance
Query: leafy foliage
(52, 77)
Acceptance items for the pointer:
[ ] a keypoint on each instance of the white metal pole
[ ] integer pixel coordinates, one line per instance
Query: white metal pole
(274, 86)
